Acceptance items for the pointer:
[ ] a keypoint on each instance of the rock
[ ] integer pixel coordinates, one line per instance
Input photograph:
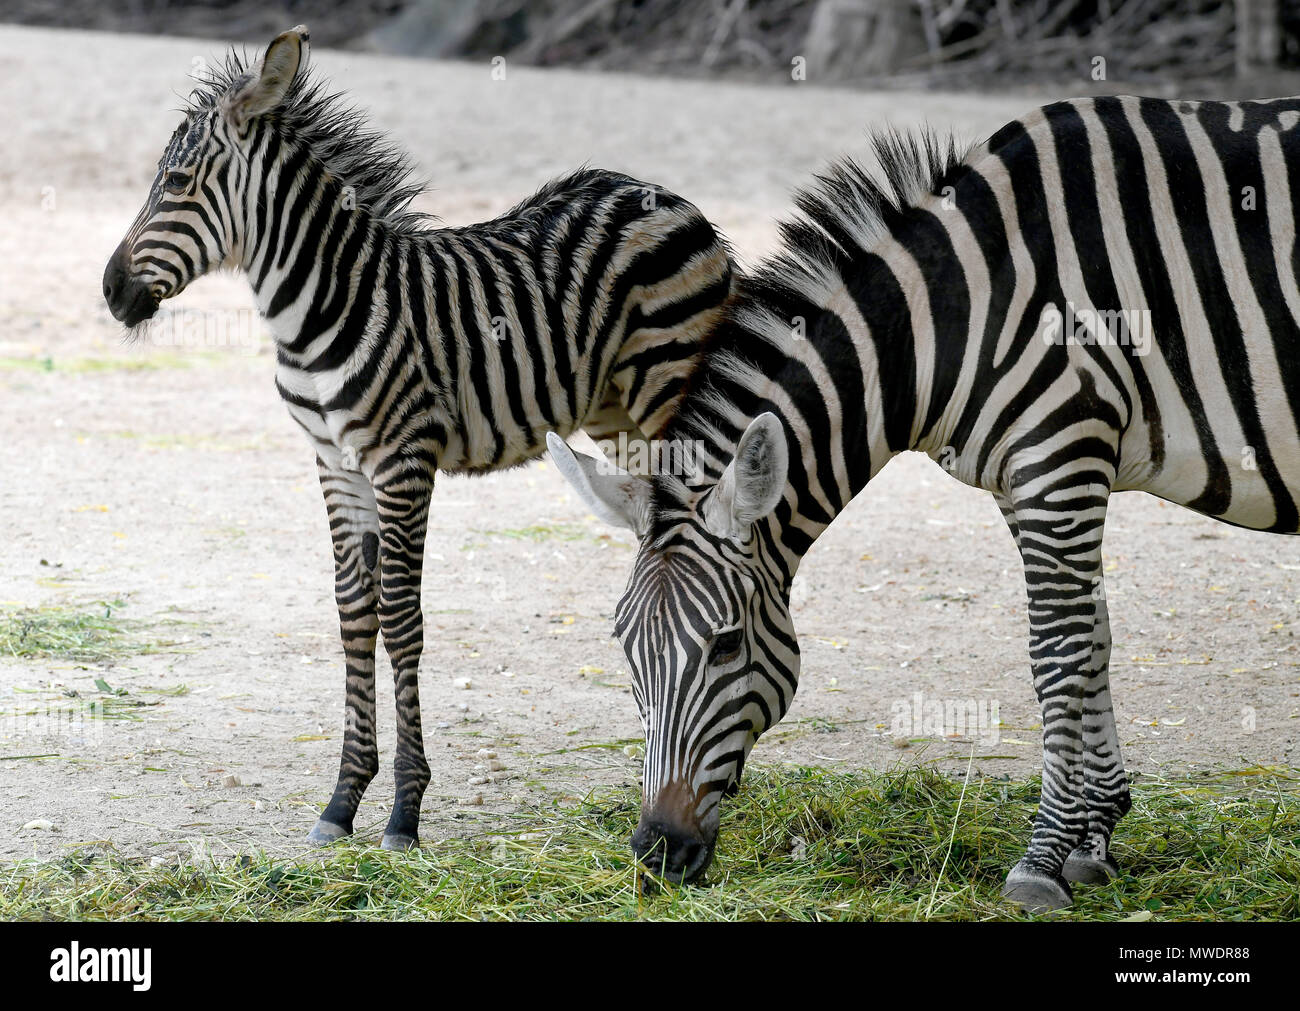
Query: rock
(231, 781)
(495, 766)
(485, 753)
(462, 683)
(39, 825)
(473, 801)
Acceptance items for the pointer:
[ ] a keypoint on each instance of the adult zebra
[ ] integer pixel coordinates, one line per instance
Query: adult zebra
(969, 307)
(402, 350)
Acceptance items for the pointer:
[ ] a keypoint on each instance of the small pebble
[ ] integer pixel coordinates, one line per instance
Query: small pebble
(472, 801)
(485, 753)
(258, 805)
(40, 824)
(478, 780)
(495, 766)
(462, 683)
(231, 781)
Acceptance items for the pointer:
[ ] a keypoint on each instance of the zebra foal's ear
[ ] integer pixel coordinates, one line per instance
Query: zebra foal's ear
(617, 497)
(754, 481)
(265, 85)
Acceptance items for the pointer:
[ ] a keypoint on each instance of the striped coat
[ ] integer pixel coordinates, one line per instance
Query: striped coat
(1101, 297)
(403, 350)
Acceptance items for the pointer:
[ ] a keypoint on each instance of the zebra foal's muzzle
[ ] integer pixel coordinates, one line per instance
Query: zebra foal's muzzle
(129, 300)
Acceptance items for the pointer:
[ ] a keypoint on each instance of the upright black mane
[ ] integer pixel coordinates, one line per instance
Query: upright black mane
(845, 212)
(337, 133)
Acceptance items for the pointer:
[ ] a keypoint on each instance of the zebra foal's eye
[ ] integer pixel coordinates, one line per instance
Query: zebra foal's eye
(726, 647)
(175, 182)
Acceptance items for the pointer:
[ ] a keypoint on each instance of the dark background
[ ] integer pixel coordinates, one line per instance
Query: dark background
(1252, 46)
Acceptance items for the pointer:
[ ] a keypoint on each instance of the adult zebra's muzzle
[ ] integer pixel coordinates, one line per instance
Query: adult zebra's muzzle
(673, 852)
(130, 301)
(670, 839)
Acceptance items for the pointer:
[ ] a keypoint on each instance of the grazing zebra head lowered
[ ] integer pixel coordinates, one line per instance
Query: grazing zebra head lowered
(1083, 304)
(403, 350)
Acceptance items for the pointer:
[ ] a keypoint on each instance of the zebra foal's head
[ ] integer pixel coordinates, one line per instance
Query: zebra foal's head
(705, 623)
(193, 220)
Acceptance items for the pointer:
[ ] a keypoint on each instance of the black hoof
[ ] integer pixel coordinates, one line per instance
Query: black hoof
(1085, 868)
(325, 832)
(1036, 891)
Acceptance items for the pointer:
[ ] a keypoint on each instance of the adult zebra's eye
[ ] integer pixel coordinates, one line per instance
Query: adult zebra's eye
(725, 648)
(176, 181)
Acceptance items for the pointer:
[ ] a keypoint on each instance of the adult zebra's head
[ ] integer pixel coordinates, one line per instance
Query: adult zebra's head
(705, 623)
(193, 220)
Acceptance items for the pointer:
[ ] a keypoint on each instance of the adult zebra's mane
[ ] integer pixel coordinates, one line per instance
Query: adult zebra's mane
(337, 133)
(842, 215)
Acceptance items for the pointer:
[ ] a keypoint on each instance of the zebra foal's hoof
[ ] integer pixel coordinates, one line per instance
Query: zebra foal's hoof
(1088, 869)
(397, 841)
(325, 832)
(1035, 891)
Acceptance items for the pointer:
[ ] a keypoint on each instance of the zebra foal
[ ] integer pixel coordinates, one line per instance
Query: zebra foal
(403, 350)
(1102, 297)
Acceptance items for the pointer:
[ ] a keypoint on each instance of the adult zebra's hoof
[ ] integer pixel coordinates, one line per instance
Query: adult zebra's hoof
(325, 832)
(398, 842)
(1035, 891)
(1087, 869)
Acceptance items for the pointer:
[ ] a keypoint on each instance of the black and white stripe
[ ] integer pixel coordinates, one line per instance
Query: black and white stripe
(912, 314)
(403, 349)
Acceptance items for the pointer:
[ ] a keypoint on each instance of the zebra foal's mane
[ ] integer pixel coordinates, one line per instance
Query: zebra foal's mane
(337, 133)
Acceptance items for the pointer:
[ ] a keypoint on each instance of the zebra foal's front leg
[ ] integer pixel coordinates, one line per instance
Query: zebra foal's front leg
(1058, 522)
(354, 531)
(403, 500)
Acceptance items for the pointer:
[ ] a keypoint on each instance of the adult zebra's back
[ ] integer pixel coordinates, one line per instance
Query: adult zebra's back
(1101, 297)
(403, 349)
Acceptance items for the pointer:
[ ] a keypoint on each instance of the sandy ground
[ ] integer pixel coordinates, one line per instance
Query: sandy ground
(172, 479)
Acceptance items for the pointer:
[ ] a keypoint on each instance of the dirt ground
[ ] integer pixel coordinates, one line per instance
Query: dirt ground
(171, 478)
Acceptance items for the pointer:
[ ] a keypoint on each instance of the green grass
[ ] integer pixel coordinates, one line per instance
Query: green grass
(91, 632)
(797, 844)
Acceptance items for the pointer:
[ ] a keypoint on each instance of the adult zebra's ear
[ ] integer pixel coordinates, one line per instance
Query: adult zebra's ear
(265, 85)
(617, 497)
(754, 481)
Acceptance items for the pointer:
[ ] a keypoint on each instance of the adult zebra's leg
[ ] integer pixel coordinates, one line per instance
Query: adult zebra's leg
(1105, 781)
(354, 530)
(1059, 516)
(403, 519)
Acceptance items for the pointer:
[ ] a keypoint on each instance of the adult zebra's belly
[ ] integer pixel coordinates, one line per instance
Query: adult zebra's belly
(1227, 444)
(1256, 487)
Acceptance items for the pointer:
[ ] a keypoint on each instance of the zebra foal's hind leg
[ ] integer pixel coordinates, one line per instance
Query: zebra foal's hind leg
(403, 500)
(354, 531)
(1057, 517)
